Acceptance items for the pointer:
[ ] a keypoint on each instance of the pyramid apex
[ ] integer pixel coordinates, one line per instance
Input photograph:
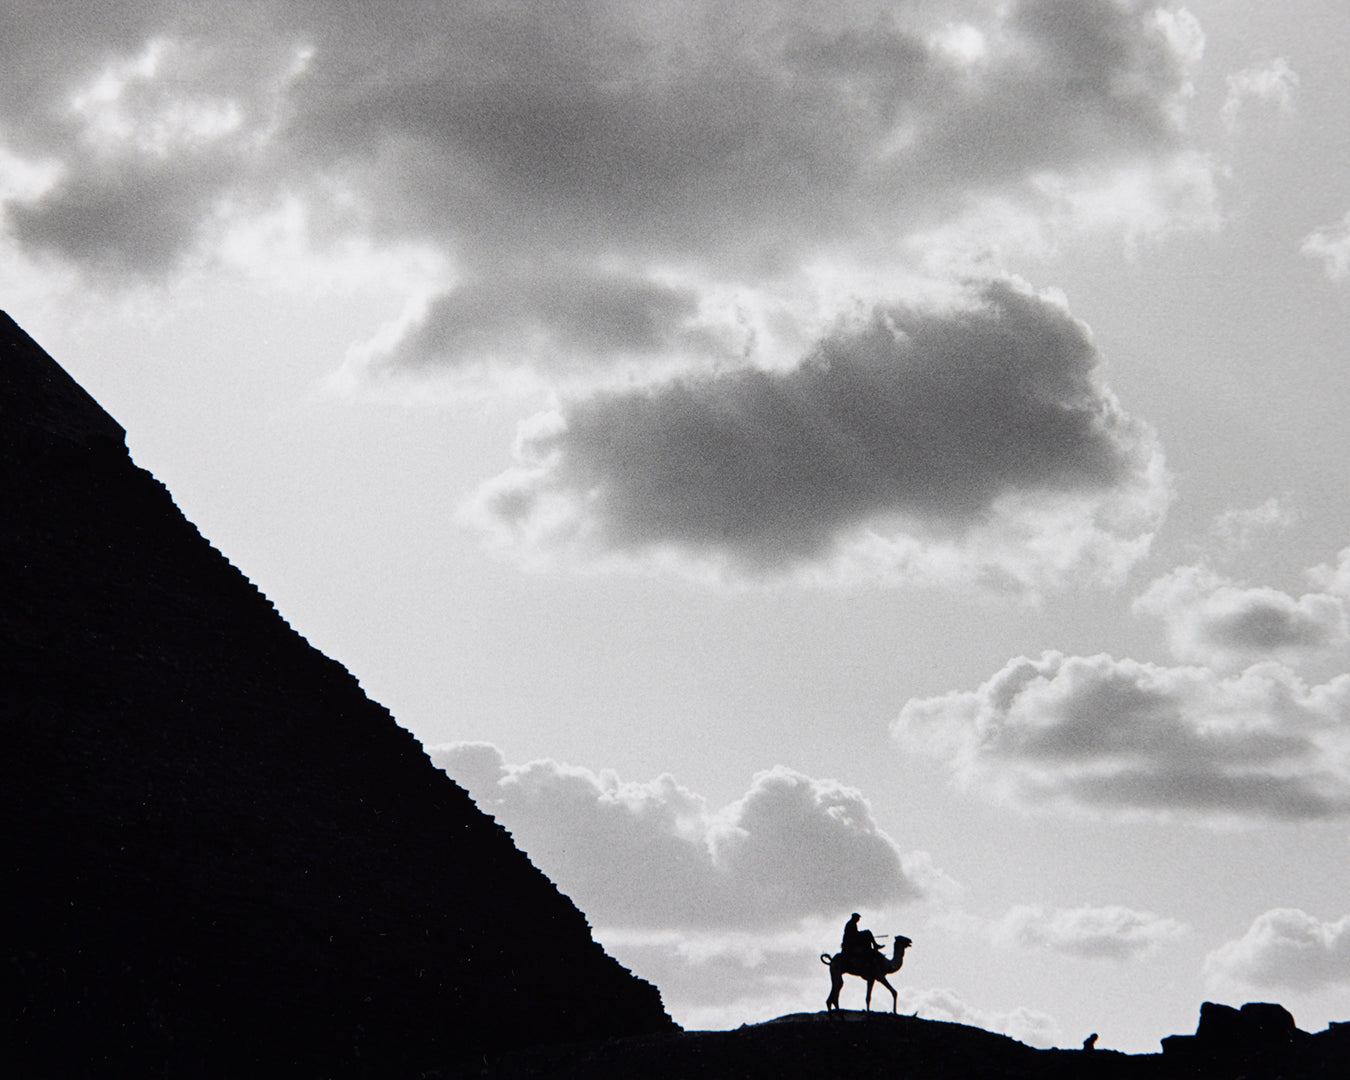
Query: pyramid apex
(40, 401)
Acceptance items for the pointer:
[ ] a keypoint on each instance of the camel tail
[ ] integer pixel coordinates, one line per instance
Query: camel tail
(825, 958)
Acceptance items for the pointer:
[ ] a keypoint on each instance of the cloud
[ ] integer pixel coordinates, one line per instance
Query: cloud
(145, 148)
(1332, 245)
(983, 431)
(736, 144)
(100, 219)
(707, 211)
(1274, 81)
(743, 146)
(655, 855)
(1284, 949)
(1212, 620)
(1334, 579)
(1239, 530)
(543, 320)
(1123, 738)
(721, 979)
(1031, 1026)
(1093, 933)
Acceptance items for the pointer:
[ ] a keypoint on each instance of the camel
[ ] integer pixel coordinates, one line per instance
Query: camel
(873, 968)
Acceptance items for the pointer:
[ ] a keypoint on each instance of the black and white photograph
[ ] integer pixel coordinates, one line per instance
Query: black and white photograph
(526, 520)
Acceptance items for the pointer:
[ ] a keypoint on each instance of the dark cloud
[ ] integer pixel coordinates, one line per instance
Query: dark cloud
(100, 219)
(546, 319)
(1284, 949)
(734, 140)
(655, 855)
(148, 145)
(709, 132)
(911, 420)
(49, 48)
(700, 187)
(1225, 624)
(1102, 79)
(1124, 738)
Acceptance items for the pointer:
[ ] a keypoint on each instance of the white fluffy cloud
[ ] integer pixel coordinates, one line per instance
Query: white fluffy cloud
(1121, 737)
(1031, 1026)
(974, 441)
(1106, 933)
(1284, 949)
(1275, 82)
(1238, 530)
(718, 979)
(656, 855)
(1227, 625)
(1334, 579)
(1332, 245)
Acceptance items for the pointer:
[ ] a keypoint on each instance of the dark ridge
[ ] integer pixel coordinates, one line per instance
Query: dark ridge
(222, 858)
(1258, 1042)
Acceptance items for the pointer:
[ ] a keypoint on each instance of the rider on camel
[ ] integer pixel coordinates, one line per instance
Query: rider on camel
(857, 941)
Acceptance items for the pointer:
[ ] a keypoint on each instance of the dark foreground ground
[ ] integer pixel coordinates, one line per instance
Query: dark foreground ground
(860, 1046)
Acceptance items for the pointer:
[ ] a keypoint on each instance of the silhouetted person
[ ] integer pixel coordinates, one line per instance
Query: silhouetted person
(857, 941)
(1090, 1043)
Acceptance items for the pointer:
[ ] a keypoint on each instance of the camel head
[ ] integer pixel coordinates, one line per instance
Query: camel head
(901, 944)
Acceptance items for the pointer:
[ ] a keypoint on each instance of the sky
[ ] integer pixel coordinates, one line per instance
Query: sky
(783, 459)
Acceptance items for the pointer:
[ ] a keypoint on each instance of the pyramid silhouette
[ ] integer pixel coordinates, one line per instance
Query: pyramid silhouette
(223, 858)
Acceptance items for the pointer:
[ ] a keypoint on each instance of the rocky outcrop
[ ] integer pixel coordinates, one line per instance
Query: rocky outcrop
(1259, 1041)
(221, 857)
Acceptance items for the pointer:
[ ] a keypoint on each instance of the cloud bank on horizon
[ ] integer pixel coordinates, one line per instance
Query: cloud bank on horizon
(726, 909)
(1284, 949)
(656, 855)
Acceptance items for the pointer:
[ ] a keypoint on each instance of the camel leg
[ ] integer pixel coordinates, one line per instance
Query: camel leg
(869, 995)
(832, 1002)
(895, 998)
